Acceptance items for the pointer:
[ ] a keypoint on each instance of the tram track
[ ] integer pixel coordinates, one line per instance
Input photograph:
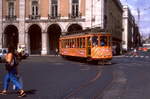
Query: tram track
(100, 93)
(92, 81)
(84, 85)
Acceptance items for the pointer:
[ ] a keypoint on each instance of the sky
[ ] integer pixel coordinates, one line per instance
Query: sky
(144, 13)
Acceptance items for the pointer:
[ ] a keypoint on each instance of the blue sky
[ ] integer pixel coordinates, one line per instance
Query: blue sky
(144, 8)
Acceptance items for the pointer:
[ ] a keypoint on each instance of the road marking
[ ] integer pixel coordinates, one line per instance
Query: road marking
(141, 56)
(85, 68)
(137, 56)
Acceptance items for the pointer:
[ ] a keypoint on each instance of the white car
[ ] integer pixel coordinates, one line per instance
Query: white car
(3, 52)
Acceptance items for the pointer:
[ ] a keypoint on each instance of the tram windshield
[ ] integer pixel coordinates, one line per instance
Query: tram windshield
(103, 40)
(95, 40)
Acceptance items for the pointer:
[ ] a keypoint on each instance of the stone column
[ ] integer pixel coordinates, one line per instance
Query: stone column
(1, 30)
(44, 44)
(88, 13)
(98, 13)
(27, 42)
(22, 22)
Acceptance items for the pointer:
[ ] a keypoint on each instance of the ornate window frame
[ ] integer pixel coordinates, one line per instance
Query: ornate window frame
(70, 7)
(14, 10)
(50, 8)
(36, 5)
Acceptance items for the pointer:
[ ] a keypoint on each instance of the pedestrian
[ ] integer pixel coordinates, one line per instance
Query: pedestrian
(56, 52)
(11, 75)
(135, 52)
(20, 53)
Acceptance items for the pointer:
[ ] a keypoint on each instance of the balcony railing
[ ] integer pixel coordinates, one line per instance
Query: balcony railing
(54, 17)
(75, 16)
(11, 17)
(34, 17)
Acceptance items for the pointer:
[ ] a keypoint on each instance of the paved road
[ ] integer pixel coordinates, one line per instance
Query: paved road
(132, 79)
(55, 78)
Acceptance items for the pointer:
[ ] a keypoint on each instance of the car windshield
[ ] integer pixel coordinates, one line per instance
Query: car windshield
(103, 41)
(4, 51)
(0, 50)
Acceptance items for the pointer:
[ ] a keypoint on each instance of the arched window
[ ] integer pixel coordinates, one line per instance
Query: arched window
(54, 8)
(75, 8)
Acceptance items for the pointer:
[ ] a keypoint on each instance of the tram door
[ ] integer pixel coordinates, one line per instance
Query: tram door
(89, 46)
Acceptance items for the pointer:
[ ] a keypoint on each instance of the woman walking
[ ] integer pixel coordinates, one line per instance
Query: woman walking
(11, 68)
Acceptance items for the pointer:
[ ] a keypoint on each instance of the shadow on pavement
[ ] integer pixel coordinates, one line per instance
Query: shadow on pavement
(30, 92)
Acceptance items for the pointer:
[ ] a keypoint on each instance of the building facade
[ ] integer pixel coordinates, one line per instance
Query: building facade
(38, 24)
(113, 23)
(128, 26)
(137, 41)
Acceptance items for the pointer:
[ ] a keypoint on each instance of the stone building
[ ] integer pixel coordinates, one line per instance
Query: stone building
(113, 22)
(38, 24)
(137, 41)
(128, 26)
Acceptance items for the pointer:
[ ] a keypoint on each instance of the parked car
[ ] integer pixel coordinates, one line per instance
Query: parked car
(22, 52)
(25, 54)
(3, 52)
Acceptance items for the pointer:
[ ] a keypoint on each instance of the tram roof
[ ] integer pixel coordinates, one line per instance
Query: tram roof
(83, 32)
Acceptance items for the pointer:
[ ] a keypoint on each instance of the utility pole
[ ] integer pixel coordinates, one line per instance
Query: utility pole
(138, 11)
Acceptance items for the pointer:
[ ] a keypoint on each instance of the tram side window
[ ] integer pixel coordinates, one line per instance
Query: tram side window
(83, 42)
(89, 41)
(109, 40)
(95, 40)
(73, 43)
(80, 42)
(66, 43)
(69, 43)
(103, 41)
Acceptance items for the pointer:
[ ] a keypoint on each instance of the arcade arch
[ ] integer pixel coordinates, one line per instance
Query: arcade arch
(54, 32)
(74, 27)
(35, 41)
(11, 36)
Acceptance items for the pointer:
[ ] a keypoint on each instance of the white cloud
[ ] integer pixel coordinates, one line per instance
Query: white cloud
(145, 31)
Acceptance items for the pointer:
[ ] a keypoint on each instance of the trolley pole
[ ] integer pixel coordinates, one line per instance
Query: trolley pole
(91, 15)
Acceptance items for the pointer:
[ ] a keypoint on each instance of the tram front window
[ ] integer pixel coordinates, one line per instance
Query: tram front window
(103, 41)
(95, 40)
